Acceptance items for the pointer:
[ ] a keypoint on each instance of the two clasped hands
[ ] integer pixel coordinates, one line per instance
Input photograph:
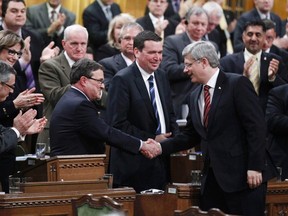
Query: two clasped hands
(152, 148)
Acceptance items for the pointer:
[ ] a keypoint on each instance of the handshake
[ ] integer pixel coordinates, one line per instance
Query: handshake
(151, 148)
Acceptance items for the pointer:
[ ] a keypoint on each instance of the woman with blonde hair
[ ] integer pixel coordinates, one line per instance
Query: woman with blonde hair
(112, 46)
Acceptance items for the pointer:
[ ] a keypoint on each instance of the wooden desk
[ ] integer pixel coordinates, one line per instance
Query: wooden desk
(68, 167)
(58, 203)
(43, 187)
(176, 197)
(277, 199)
(182, 164)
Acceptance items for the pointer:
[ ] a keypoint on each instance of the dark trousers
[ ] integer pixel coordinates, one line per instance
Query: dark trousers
(249, 202)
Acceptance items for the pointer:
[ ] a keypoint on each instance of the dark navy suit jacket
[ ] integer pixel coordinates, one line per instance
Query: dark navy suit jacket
(75, 128)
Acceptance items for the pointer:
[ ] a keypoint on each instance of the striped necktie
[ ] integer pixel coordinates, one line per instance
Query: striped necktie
(153, 101)
(206, 105)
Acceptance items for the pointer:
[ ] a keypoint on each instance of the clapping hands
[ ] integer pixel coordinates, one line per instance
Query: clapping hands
(151, 148)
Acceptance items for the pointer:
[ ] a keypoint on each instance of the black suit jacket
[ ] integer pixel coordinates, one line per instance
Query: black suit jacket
(130, 110)
(147, 24)
(96, 23)
(277, 122)
(235, 64)
(111, 66)
(234, 141)
(75, 128)
(251, 16)
(7, 109)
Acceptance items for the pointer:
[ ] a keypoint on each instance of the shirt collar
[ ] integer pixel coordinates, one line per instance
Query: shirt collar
(57, 9)
(263, 16)
(212, 81)
(102, 5)
(155, 19)
(247, 54)
(70, 61)
(80, 92)
(144, 74)
(127, 60)
(19, 32)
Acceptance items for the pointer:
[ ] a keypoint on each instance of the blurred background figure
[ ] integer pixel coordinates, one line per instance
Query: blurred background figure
(119, 61)
(156, 21)
(96, 18)
(112, 47)
(49, 19)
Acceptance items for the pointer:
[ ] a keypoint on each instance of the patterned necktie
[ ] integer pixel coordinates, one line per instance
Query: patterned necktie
(53, 16)
(206, 105)
(108, 14)
(153, 101)
(255, 75)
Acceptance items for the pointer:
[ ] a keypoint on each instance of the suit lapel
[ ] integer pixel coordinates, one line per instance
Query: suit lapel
(44, 16)
(216, 97)
(120, 62)
(264, 65)
(195, 113)
(143, 90)
(65, 66)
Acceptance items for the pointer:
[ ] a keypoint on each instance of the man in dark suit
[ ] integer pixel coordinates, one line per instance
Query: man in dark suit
(96, 19)
(261, 11)
(271, 71)
(23, 124)
(49, 19)
(172, 64)
(117, 62)
(226, 118)
(131, 110)
(277, 123)
(156, 21)
(268, 45)
(76, 127)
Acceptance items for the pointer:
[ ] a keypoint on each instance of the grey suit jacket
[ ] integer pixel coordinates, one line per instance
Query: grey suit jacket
(38, 19)
(54, 79)
(173, 66)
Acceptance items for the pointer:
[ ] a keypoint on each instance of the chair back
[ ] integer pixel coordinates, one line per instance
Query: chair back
(195, 211)
(104, 206)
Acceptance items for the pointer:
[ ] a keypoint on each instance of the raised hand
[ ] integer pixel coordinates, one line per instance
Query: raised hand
(151, 149)
(37, 126)
(22, 122)
(49, 52)
(273, 69)
(28, 99)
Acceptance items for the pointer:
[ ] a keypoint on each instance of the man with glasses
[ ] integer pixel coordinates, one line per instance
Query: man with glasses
(117, 62)
(76, 127)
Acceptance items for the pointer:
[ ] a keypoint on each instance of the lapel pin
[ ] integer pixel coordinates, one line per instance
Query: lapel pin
(219, 87)
(265, 58)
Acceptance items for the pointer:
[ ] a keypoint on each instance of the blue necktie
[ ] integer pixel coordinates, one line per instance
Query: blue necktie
(153, 101)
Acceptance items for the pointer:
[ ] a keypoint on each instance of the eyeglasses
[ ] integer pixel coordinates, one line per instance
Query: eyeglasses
(190, 64)
(14, 52)
(100, 81)
(10, 86)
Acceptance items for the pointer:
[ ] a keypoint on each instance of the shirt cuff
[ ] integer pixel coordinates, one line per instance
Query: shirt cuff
(19, 136)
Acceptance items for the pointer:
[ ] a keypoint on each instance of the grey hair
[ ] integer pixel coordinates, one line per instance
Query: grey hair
(202, 49)
(127, 26)
(213, 8)
(5, 71)
(195, 10)
(74, 29)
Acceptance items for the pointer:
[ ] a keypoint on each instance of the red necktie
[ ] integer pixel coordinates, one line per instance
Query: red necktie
(206, 105)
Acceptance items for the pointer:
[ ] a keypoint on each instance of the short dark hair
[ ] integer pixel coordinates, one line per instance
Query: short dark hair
(83, 67)
(255, 23)
(5, 5)
(145, 36)
(269, 24)
(5, 71)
